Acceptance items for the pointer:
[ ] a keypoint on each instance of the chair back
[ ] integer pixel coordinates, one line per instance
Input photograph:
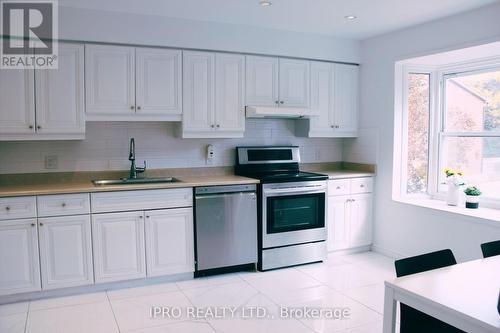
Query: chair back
(491, 249)
(424, 262)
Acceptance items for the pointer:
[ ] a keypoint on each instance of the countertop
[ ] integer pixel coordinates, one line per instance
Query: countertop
(87, 186)
(80, 182)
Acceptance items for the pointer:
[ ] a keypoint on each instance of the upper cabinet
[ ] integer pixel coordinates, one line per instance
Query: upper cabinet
(334, 98)
(277, 82)
(213, 94)
(56, 111)
(132, 84)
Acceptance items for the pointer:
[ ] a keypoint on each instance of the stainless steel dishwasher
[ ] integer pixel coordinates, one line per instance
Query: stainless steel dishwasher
(226, 226)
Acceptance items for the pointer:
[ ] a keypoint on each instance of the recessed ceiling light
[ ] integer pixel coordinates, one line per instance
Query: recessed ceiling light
(265, 3)
(350, 17)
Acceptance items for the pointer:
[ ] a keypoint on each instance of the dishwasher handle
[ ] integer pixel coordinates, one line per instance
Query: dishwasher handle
(223, 195)
(209, 190)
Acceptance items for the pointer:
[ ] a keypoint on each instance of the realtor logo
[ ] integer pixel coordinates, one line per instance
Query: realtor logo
(29, 30)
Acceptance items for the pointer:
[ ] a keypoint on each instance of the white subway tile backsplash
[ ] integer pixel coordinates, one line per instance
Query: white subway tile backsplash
(106, 147)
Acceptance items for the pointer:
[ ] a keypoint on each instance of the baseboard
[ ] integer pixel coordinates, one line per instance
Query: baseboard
(350, 251)
(387, 252)
(93, 288)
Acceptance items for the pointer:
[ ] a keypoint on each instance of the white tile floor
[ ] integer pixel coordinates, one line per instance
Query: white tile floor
(351, 281)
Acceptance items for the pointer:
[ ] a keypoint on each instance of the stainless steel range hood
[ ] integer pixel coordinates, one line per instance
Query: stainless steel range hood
(279, 112)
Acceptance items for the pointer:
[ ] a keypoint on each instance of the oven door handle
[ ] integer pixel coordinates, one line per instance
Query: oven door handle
(284, 191)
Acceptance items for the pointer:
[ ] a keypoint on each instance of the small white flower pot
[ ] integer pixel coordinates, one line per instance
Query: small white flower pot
(454, 196)
(472, 201)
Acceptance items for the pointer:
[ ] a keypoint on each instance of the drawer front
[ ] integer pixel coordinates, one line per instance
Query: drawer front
(121, 201)
(362, 185)
(17, 208)
(66, 204)
(339, 187)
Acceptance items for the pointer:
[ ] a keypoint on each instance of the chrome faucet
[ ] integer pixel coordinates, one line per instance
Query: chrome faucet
(133, 169)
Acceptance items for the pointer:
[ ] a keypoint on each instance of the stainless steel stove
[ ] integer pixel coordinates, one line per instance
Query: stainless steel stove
(291, 206)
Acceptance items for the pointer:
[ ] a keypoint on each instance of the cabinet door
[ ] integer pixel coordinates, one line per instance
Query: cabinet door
(118, 244)
(169, 241)
(20, 269)
(338, 223)
(109, 80)
(158, 85)
(346, 99)
(229, 90)
(17, 102)
(360, 233)
(322, 91)
(198, 91)
(261, 81)
(65, 251)
(294, 83)
(60, 94)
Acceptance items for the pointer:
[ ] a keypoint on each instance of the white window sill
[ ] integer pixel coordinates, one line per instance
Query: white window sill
(488, 216)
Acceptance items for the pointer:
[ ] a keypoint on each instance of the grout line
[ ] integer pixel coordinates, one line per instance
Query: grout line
(27, 316)
(113, 312)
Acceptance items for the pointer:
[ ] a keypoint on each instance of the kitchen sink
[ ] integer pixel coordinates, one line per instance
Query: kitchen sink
(131, 181)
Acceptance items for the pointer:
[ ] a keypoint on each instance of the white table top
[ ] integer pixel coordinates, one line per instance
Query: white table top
(469, 289)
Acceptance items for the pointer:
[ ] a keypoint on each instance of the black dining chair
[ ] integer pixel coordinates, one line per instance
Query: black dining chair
(414, 321)
(491, 249)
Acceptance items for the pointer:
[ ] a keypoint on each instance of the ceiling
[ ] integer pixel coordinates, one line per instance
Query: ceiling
(312, 16)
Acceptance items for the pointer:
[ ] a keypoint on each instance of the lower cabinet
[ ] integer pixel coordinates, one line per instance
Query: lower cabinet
(169, 241)
(65, 251)
(350, 218)
(119, 249)
(19, 265)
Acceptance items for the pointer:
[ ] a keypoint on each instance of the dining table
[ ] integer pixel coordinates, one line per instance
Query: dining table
(464, 295)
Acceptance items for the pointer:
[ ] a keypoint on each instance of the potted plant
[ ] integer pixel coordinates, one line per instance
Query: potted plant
(472, 194)
(455, 181)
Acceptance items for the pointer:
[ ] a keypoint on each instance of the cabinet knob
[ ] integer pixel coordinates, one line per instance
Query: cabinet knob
(282, 102)
(218, 125)
(361, 185)
(276, 102)
(32, 224)
(39, 127)
(337, 126)
(63, 204)
(7, 208)
(140, 216)
(30, 126)
(138, 108)
(332, 126)
(41, 224)
(132, 107)
(353, 200)
(338, 187)
(147, 216)
(212, 126)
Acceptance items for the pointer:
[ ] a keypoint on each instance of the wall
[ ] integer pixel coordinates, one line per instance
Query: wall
(102, 26)
(402, 229)
(106, 147)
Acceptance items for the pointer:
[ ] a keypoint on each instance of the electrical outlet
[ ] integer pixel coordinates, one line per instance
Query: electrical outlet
(210, 155)
(51, 162)
(317, 155)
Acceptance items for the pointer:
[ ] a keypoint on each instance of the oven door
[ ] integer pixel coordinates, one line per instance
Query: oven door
(293, 213)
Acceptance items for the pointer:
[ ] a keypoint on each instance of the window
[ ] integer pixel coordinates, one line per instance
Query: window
(470, 133)
(450, 119)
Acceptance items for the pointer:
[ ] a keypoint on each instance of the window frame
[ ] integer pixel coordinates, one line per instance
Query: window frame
(437, 133)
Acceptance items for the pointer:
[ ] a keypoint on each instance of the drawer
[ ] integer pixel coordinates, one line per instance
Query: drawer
(122, 201)
(339, 187)
(362, 185)
(17, 208)
(65, 204)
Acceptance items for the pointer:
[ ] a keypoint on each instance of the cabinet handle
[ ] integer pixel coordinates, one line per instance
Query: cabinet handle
(337, 126)
(30, 126)
(41, 224)
(361, 185)
(147, 216)
(132, 107)
(218, 125)
(138, 108)
(32, 224)
(7, 208)
(282, 102)
(353, 200)
(212, 126)
(332, 126)
(338, 187)
(140, 216)
(276, 102)
(39, 127)
(63, 204)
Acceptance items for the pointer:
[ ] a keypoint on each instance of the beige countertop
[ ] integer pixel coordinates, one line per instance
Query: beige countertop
(11, 190)
(342, 174)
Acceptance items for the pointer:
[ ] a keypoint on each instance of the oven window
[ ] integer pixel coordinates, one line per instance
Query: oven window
(269, 155)
(295, 212)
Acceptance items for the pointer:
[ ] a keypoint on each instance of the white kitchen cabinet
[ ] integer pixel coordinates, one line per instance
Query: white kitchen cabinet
(20, 268)
(169, 241)
(65, 251)
(60, 94)
(334, 98)
(294, 83)
(17, 102)
(158, 82)
(118, 246)
(338, 228)
(346, 99)
(109, 80)
(360, 209)
(213, 95)
(56, 111)
(262, 86)
(349, 214)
